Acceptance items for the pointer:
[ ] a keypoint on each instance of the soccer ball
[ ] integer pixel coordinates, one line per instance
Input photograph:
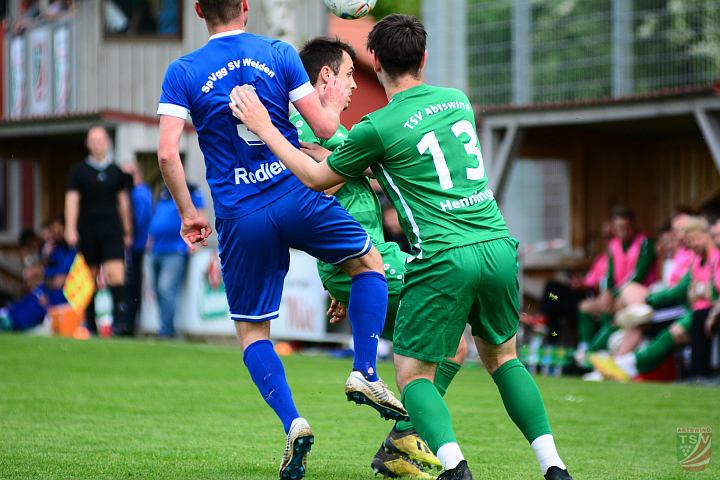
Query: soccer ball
(350, 9)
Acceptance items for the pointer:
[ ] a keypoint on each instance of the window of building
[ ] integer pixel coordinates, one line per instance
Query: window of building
(536, 204)
(19, 198)
(143, 18)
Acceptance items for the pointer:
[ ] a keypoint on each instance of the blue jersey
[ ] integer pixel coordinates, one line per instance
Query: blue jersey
(242, 172)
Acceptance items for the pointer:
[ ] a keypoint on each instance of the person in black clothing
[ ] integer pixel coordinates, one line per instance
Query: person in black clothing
(98, 221)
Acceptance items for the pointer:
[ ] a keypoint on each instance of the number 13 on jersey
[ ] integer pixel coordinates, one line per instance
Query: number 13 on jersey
(430, 142)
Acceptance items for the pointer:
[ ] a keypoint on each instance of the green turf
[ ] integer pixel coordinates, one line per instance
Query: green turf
(125, 409)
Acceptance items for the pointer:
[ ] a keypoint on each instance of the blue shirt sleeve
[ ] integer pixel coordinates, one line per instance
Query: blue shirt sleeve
(296, 78)
(174, 99)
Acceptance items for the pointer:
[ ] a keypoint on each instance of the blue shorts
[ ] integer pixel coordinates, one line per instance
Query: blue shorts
(254, 249)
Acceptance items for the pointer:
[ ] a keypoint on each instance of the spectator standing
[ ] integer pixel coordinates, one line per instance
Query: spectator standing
(169, 256)
(97, 212)
(142, 206)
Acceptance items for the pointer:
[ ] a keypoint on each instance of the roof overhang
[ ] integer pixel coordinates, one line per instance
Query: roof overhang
(73, 123)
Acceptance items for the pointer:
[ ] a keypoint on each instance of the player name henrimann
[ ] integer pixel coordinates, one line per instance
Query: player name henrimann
(473, 199)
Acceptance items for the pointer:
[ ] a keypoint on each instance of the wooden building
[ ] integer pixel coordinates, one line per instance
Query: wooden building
(93, 65)
(651, 153)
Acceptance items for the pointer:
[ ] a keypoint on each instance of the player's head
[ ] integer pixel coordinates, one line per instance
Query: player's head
(697, 236)
(715, 230)
(98, 142)
(666, 243)
(678, 221)
(397, 43)
(325, 58)
(223, 12)
(622, 222)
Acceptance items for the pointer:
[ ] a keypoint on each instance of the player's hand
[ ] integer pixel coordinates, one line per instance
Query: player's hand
(712, 320)
(247, 107)
(195, 230)
(335, 94)
(337, 311)
(71, 237)
(127, 240)
(315, 151)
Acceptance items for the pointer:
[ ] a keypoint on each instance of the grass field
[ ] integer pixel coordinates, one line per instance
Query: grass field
(134, 409)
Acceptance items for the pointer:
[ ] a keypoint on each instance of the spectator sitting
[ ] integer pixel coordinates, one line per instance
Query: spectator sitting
(30, 310)
(697, 289)
(170, 256)
(631, 259)
(672, 272)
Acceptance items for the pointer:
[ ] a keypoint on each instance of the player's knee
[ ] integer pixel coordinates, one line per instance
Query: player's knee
(461, 353)
(633, 293)
(679, 334)
(409, 369)
(494, 362)
(251, 332)
(494, 356)
(585, 306)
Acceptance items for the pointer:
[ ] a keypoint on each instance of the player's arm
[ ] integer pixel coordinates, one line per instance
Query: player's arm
(195, 228)
(358, 154)
(308, 139)
(248, 108)
(125, 216)
(322, 111)
(72, 207)
(669, 297)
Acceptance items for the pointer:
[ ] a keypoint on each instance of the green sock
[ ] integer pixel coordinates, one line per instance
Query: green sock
(430, 414)
(446, 371)
(522, 399)
(586, 327)
(601, 338)
(650, 357)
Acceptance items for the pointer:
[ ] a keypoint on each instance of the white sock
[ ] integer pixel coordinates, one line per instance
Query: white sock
(628, 363)
(450, 455)
(546, 453)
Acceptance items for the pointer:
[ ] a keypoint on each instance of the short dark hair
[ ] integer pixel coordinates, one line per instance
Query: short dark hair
(322, 51)
(621, 211)
(399, 43)
(27, 235)
(220, 12)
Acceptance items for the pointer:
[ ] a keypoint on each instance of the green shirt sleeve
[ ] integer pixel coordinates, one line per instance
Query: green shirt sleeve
(305, 133)
(676, 295)
(362, 149)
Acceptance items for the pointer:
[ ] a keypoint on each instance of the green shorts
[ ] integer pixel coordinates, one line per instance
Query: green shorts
(475, 284)
(338, 283)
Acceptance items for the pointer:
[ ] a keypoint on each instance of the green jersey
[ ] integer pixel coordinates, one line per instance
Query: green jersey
(424, 151)
(356, 195)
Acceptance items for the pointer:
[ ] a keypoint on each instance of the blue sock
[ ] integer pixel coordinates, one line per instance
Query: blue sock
(268, 373)
(367, 310)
